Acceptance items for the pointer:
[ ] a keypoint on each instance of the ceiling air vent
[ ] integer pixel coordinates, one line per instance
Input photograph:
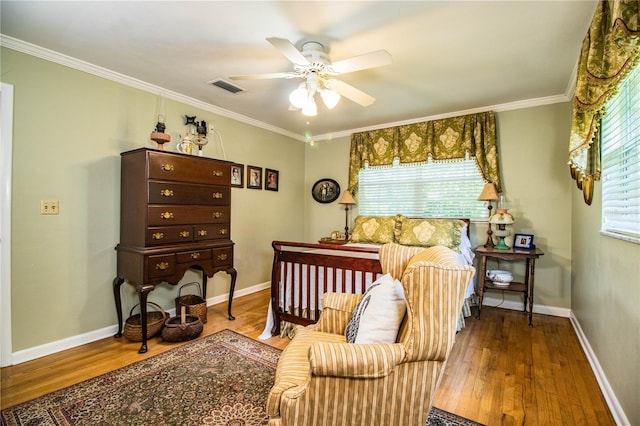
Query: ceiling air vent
(225, 85)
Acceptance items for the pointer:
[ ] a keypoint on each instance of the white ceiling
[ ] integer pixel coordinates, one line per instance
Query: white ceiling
(448, 56)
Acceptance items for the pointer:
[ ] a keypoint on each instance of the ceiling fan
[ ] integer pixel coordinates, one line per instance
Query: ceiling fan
(312, 64)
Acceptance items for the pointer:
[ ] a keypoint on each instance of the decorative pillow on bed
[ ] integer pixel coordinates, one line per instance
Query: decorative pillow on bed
(377, 317)
(373, 229)
(431, 232)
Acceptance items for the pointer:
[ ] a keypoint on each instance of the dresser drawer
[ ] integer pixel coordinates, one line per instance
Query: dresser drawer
(182, 193)
(218, 231)
(161, 265)
(186, 168)
(169, 234)
(223, 256)
(191, 256)
(183, 215)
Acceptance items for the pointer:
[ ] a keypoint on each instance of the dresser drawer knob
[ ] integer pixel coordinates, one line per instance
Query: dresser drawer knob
(166, 215)
(222, 257)
(195, 255)
(184, 234)
(217, 173)
(217, 195)
(166, 193)
(217, 215)
(162, 266)
(223, 231)
(202, 232)
(167, 167)
(158, 236)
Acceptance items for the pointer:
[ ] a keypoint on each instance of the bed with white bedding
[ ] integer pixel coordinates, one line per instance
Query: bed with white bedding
(303, 272)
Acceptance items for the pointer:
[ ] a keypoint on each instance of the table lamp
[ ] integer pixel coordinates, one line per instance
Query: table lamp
(347, 200)
(489, 193)
(501, 219)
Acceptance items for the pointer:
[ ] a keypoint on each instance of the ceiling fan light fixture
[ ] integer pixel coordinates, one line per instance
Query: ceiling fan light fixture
(298, 97)
(310, 108)
(330, 98)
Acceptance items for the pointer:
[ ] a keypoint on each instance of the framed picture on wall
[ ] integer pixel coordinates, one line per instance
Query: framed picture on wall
(523, 241)
(325, 190)
(254, 177)
(237, 175)
(272, 179)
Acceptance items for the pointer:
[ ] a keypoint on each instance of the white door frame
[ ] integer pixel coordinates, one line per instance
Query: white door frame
(6, 145)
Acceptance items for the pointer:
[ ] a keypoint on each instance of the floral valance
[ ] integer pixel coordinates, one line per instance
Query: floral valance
(446, 139)
(609, 52)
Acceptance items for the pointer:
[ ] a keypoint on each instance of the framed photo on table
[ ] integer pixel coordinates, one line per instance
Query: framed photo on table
(523, 241)
(254, 177)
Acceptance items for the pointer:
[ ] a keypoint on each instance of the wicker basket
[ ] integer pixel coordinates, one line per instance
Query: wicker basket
(183, 327)
(195, 304)
(155, 322)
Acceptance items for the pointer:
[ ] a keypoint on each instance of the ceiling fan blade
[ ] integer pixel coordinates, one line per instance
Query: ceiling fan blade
(349, 92)
(363, 62)
(264, 76)
(289, 50)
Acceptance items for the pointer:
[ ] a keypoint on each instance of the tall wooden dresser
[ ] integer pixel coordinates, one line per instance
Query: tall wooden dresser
(175, 214)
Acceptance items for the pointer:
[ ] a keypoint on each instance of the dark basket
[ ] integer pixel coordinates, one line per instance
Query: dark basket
(175, 330)
(155, 322)
(195, 304)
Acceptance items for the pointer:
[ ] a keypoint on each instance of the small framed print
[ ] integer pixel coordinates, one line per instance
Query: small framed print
(523, 241)
(237, 175)
(325, 190)
(272, 180)
(254, 177)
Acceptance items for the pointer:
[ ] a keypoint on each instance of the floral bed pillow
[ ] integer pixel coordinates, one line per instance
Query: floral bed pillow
(373, 230)
(431, 232)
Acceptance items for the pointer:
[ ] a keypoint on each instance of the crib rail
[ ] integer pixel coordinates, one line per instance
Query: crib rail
(303, 272)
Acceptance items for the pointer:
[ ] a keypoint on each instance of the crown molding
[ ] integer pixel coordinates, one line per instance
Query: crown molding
(77, 64)
(59, 58)
(528, 103)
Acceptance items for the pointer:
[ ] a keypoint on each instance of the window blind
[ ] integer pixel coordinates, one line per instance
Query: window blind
(433, 189)
(620, 133)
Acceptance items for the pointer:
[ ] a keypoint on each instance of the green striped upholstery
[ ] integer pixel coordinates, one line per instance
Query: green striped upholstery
(336, 311)
(322, 380)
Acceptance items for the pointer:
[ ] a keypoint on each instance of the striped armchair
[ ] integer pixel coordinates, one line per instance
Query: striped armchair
(322, 380)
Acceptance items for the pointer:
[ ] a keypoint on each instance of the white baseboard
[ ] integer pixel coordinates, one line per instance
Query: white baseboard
(81, 339)
(556, 311)
(616, 410)
(242, 292)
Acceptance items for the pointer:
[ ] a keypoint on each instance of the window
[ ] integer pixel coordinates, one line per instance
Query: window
(433, 189)
(620, 139)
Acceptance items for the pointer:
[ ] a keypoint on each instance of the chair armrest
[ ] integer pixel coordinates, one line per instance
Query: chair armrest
(336, 312)
(371, 360)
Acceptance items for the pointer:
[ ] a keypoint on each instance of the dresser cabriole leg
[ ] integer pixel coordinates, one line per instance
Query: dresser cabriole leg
(117, 283)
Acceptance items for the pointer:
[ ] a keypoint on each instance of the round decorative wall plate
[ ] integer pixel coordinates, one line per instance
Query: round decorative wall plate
(325, 190)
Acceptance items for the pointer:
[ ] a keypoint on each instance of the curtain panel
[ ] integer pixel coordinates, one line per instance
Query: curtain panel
(440, 140)
(610, 50)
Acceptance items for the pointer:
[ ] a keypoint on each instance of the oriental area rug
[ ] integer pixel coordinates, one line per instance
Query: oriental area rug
(222, 379)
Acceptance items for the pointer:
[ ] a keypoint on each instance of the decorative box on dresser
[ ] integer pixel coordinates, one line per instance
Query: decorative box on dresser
(175, 214)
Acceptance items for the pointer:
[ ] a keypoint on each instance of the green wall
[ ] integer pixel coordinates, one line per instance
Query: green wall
(69, 130)
(605, 295)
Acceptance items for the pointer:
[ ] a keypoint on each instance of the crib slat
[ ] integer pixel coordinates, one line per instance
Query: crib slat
(305, 276)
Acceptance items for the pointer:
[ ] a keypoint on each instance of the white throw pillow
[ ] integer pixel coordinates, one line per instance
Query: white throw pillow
(377, 317)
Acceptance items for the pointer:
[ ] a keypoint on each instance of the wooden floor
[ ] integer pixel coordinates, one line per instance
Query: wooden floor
(501, 372)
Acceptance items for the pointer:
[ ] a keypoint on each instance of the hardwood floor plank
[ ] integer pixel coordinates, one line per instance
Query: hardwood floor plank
(500, 371)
